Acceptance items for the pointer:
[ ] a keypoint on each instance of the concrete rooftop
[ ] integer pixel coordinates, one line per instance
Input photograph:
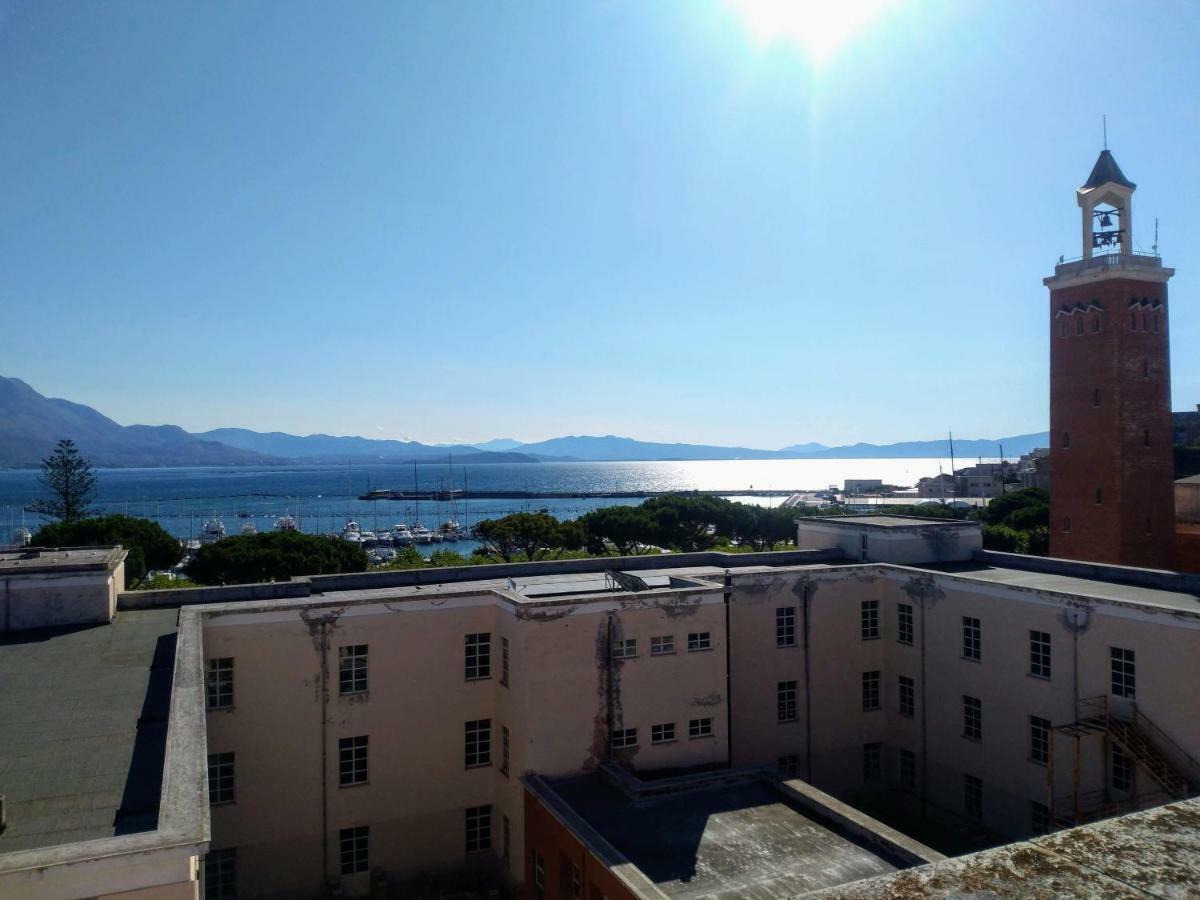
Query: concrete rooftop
(885, 521)
(28, 560)
(1156, 598)
(1155, 853)
(83, 720)
(735, 841)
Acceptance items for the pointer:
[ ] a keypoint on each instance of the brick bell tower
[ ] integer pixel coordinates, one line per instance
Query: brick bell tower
(1111, 465)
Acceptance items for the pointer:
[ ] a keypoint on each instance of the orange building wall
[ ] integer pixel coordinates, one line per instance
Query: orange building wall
(1187, 547)
(545, 835)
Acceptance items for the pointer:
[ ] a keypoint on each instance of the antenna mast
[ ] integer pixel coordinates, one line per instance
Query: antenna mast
(1104, 120)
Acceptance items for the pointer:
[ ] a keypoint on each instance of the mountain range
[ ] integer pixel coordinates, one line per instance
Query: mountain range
(31, 424)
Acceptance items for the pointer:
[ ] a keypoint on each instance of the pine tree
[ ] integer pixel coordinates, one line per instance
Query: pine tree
(70, 478)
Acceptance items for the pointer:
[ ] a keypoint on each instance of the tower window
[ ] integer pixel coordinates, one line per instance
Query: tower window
(1079, 326)
(1133, 321)
(1066, 524)
(1095, 323)
(1146, 436)
(1145, 322)
(1156, 323)
(1066, 440)
(1096, 397)
(1062, 328)
(1148, 528)
(1099, 496)
(1145, 368)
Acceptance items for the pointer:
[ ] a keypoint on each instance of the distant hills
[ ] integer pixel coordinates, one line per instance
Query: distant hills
(31, 424)
(610, 447)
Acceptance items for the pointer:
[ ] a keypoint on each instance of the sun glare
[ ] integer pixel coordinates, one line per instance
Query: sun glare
(820, 27)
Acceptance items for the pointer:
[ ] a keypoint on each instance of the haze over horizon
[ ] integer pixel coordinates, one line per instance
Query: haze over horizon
(681, 222)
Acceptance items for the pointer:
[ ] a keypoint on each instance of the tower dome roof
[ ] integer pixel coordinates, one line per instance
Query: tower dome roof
(1106, 170)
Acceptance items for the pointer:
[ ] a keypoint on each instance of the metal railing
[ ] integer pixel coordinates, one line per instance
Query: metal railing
(1138, 259)
(1184, 762)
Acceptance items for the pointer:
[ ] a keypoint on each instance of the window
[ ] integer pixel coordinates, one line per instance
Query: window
(1124, 673)
(869, 618)
(785, 698)
(699, 640)
(478, 743)
(539, 876)
(352, 669)
(1039, 654)
(972, 644)
(908, 770)
(1122, 770)
(220, 874)
(354, 844)
(1145, 437)
(218, 683)
(623, 738)
(352, 761)
(700, 728)
(1133, 321)
(1156, 323)
(785, 626)
(1066, 440)
(790, 764)
(1066, 524)
(220, 778)
(479, 656)
(1039, 739)
(505, 750)
(872, 762)
(624, 648)
(1062, 328)
(1079, 326)
(1099, 496)
(973, 797)
(1096, 397)
(662, 645)
(662, 734)
(907, 696)
(1039, 817)
(507, 831)
(1095, 324)
(504, 661)
(904, 615)
(1145, 368)
(570, 883)
(972, 718)
(870, 690)
(479, 828)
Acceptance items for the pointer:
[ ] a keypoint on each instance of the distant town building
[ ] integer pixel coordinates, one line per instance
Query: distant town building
(1112, 498)
(1033, 469)
(940, 485)
(863, 485)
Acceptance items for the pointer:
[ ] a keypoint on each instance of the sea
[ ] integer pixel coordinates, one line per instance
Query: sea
(322, 498)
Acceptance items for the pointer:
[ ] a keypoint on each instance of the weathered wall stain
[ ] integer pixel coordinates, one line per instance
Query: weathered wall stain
(924, 589)
(552, 614)
(713, 699)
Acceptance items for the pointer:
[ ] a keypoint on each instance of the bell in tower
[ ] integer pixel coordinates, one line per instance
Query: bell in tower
(1106, 201)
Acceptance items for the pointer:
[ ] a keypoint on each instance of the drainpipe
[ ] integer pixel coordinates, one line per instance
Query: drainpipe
(324, 754)
(608, 691)
(728, 674)
(924, 719)
(808, 766)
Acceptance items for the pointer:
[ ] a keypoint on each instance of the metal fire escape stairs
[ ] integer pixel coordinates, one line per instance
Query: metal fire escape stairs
(1175, 773)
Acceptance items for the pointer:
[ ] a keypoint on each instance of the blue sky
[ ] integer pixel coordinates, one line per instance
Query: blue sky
(454, 221)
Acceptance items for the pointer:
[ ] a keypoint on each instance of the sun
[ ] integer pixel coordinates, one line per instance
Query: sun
(820, 27)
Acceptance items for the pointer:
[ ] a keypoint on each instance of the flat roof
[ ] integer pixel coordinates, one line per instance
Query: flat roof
(886, 521)
(1155, 853)
(34, 559)
(1108, 591)
(83, 723)
(741, 840)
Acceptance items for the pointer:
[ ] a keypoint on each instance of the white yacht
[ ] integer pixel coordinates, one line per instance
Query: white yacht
(213, 530)
(249, 528)
(22, 537)
(421, 534)
(401, 536)
(286, 523)
(451, 530)
(352, 533)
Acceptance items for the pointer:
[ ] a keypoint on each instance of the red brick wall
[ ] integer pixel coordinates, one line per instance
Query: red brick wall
(559, 849)
(1128, 363)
